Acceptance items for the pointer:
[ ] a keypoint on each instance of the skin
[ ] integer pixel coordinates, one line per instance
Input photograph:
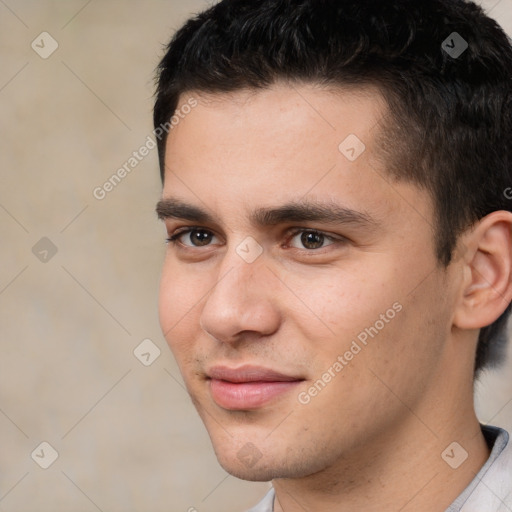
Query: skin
(372, 438)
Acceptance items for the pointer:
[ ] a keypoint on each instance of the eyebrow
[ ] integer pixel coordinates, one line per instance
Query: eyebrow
(295, 211)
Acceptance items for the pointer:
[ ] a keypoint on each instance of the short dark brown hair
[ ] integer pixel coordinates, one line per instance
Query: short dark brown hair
(443, 66)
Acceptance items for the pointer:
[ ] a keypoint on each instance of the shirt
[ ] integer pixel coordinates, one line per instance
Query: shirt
(489, 491)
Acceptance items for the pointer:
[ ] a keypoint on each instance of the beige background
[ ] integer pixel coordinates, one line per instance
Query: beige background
(127, 436)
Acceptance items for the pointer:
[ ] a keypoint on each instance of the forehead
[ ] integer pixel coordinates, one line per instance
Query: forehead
(303, 108)
(281, 144)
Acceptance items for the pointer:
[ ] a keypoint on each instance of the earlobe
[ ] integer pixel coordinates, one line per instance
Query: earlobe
(487, 282)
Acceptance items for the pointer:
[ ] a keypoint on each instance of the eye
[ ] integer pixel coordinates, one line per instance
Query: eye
(192, 237)
(311, 239)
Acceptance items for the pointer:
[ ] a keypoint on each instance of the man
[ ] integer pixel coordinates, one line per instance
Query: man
(339, 261)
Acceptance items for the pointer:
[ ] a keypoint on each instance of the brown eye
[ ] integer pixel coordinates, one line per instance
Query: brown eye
(200, 237)
(311, 240)
(194, 237)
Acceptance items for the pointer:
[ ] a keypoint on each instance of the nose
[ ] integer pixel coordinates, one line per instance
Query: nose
(243, 301)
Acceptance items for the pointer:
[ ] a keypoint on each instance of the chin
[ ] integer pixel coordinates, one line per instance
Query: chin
(255, 467)
(251, 475)
(245, 463)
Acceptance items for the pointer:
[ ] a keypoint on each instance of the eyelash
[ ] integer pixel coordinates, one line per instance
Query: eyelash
(174, 238)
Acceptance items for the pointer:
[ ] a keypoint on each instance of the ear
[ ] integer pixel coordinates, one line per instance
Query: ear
(487, 282)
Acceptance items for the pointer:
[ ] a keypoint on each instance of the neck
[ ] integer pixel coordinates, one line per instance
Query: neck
(411, 466)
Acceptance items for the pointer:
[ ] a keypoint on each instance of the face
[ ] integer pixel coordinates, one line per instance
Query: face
(300, 285)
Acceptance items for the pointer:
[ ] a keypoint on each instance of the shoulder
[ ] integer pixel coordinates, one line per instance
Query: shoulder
(266, 504)
(492, 486)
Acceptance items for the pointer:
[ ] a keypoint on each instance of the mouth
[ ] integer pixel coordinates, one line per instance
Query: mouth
(248, 387)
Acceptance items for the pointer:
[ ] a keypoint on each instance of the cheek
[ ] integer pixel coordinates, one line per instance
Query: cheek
(168, 303)
(366, 317)
(343, 303)
(178, 304)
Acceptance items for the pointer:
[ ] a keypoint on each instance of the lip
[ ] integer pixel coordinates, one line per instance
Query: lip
(248, 387)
